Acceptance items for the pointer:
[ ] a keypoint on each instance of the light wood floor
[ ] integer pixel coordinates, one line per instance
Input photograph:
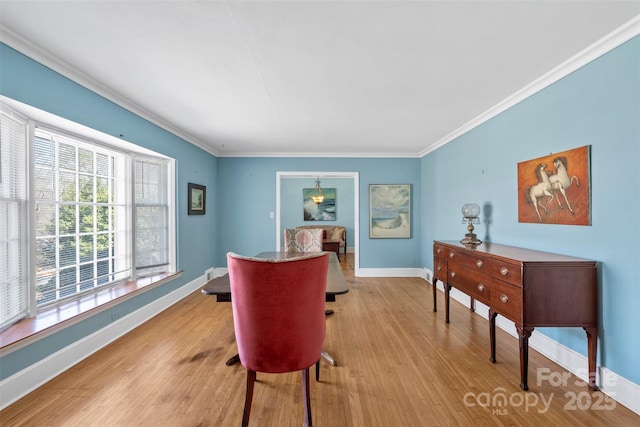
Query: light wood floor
(399, 364)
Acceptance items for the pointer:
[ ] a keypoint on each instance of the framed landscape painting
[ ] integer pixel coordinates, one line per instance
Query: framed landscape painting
(325, 211)
(556, 189)
(390, 211)
(197, 199)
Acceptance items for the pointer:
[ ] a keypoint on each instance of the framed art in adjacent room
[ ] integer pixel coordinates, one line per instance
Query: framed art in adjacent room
(324, 211)
(390, 211)
(556, 189)
(197, 199)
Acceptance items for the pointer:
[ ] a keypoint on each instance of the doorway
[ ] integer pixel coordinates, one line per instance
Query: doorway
(312, 176)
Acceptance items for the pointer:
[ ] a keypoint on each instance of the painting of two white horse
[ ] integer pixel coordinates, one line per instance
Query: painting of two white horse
(556, 189)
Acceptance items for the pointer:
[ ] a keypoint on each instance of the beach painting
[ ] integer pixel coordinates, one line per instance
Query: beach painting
(325, 211)
(390, 211)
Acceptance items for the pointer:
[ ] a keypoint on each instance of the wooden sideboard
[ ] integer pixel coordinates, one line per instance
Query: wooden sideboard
(529, 287)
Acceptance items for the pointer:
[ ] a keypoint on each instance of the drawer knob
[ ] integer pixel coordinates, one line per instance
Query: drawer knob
(439, 268)
(480, 287)
(504, 298)
(451, 255)
(438, 250)
(504, 271)
(453, 274)
(479, 263)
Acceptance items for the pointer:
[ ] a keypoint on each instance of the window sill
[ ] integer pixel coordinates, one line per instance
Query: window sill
(68, 313)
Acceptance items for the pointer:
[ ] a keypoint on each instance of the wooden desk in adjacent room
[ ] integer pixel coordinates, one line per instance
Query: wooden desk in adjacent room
(531, 288)
(331, 246)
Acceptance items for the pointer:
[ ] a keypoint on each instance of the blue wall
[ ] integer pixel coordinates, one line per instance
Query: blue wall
(598, 105)
(247, 194)
(28, 81)
(291, 212)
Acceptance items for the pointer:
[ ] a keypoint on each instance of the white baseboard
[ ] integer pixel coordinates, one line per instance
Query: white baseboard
(27, 380)
(620, 389)
(389, 272)
(220, 271)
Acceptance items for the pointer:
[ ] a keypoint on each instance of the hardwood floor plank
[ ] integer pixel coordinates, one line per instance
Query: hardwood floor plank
(399, 364)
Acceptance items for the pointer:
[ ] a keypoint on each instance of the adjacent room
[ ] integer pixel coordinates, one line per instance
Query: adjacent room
(437, 202)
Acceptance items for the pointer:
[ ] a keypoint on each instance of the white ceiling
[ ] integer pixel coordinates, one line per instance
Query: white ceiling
(334, 78)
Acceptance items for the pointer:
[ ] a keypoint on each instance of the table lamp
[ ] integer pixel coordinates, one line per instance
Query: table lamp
(470, 216)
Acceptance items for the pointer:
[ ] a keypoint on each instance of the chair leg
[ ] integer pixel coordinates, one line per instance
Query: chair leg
(306, 398)
(251, 378)
(318, 370)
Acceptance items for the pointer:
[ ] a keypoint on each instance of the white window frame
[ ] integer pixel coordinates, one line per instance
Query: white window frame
(36, 117)
(26, 304)
(171, 192)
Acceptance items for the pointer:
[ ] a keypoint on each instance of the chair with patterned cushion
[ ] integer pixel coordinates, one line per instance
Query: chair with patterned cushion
(278, 316)
(303, 240)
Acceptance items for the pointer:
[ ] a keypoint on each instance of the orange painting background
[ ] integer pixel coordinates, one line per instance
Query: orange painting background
(579, 196)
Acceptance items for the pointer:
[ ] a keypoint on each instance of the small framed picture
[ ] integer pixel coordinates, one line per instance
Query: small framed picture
(197, 199)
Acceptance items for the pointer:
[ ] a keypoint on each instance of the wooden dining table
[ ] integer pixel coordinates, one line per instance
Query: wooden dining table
(220, 287)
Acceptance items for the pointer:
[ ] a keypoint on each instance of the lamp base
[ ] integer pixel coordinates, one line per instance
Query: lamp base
(470, 239)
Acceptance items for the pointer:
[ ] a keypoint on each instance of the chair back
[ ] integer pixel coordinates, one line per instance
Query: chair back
(303, 239)
(278, 310)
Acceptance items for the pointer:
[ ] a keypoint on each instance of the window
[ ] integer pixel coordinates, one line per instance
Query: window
(93, 215)
(80, 216)
(14, 237)
(151, 215)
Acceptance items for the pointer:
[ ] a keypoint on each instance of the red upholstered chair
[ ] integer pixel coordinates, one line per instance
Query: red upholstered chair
(278, 315)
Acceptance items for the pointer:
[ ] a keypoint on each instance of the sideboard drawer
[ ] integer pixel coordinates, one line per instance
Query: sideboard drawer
(511, 273)
(471, 261)
(473, 283)
(506, 299)
(440, 251)
(440, 255)
(440, 269)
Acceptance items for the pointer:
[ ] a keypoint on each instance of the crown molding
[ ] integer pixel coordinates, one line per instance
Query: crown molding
(39, 55)
(327, 155)
(609, 42)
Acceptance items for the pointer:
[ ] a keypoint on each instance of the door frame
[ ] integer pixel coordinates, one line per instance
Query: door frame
(356, 204)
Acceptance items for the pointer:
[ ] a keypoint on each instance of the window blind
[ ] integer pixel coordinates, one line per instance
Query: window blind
(14, 222)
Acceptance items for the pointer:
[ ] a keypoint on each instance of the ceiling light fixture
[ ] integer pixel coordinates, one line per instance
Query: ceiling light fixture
(317, 195)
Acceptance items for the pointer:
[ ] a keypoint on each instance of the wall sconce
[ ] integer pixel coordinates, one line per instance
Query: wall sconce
(470, 216)
(317, 195)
